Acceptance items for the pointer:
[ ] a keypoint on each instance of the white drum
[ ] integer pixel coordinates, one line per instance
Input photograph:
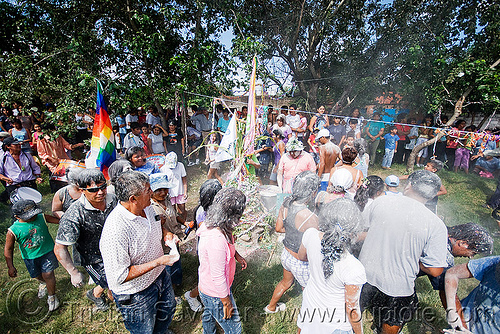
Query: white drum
(25, 193)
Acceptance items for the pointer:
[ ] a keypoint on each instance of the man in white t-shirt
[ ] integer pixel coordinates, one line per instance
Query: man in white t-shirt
(153, 117)
(131, 118)
(202, 121)
(134, 262)
(403, 238)
(133, 138)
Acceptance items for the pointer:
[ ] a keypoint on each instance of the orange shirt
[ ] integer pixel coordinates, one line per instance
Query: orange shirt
(51, 152)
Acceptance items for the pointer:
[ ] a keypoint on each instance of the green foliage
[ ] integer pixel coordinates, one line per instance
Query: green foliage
(324, 46)
(143, 51)
(428, 43)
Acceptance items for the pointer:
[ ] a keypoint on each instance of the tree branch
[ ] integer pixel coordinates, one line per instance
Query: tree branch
(49, 56)
(296, 37)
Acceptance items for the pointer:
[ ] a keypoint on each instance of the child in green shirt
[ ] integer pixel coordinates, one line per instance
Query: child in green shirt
(36, 246)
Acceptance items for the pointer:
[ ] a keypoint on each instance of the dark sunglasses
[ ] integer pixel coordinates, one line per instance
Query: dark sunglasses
(96, 189)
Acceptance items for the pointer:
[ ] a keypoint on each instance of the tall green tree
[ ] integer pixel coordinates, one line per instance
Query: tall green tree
(425, 42)
(326, 45)
(142, 50)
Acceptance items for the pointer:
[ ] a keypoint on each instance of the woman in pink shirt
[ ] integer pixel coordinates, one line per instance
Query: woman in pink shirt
(218, 257)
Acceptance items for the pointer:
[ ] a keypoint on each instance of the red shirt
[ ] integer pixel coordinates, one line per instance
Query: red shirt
(401, 129)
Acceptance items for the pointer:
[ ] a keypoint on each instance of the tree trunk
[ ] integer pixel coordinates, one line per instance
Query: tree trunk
(458, 110)
(312, 97)
(483, 121)
(456, 113)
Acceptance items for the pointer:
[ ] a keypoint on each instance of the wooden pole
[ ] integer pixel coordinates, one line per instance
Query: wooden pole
(183, 109)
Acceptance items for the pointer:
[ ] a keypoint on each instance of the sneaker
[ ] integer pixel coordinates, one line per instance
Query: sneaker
(190, 163)
(53, 303)
(194, 304)
(42, 290)
(197, 162)
(99, 302)
(280, 307)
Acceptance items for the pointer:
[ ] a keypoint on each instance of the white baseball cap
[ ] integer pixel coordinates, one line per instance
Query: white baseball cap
(323, 133)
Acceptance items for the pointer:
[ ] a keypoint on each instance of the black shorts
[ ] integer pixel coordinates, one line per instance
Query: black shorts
(438, 282)
(394, 311)
(96, 271)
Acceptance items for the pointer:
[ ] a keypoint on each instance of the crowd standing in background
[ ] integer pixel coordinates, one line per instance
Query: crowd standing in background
(351, 240)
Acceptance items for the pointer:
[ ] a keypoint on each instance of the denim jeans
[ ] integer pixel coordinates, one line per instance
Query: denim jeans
(150, 310)
(214, 311)
(387, 160)
(175, 272)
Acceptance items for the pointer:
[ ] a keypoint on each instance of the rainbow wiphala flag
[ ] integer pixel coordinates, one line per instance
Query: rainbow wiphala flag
(103, 139)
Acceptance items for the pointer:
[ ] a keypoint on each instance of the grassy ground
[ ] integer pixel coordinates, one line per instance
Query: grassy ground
(22, 312)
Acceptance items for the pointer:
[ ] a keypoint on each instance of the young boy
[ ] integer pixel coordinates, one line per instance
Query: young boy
(36, 246)
(391, 184)
(391, 146)
(313, 146)
(354, 128)
(432, 166)
(435, 166)
(179, 194)
(160, 201)
(349, 139)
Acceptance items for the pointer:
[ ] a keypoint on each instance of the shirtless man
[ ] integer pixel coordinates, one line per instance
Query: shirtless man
(329, 153)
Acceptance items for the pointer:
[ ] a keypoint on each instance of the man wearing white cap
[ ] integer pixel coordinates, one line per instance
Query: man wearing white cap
(391, 184)
(292, 163)
(329, 153)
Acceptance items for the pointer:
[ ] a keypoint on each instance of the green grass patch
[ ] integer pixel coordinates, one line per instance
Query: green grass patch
(252, 287)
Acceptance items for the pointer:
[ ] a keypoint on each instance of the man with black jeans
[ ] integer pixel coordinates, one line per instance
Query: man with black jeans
(403, 131)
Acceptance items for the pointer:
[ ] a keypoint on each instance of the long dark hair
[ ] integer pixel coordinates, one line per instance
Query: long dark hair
(340, 220)
(226, 211)
(370, 187)
(208, 190)
(305, 185)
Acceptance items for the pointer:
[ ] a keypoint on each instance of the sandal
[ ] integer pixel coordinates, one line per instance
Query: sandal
(280, 307)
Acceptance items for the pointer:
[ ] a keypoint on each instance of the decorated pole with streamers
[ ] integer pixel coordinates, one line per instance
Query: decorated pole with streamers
(251, 116)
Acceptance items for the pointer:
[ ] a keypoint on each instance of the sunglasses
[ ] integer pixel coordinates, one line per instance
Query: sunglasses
(96, 189)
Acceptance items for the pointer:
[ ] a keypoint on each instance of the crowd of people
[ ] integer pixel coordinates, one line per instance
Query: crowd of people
(352, 240)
